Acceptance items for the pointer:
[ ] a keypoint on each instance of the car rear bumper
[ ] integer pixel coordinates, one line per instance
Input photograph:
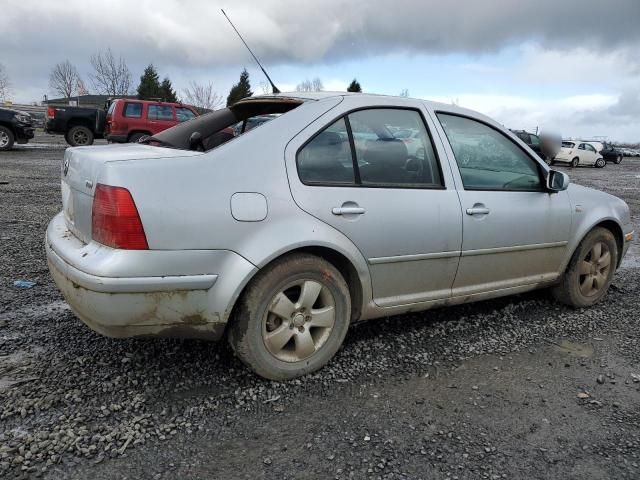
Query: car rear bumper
(122, 293)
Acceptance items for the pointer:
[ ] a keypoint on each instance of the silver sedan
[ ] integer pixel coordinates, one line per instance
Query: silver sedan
(279, 237)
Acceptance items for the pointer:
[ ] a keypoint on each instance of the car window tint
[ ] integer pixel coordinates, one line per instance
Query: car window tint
(568, 144)
(327, 159)
(486, 158)
(393, 148)
(133, 110)
(160, 112)
(183, 114)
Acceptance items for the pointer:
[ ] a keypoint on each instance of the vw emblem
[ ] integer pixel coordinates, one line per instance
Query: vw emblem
(65, 166)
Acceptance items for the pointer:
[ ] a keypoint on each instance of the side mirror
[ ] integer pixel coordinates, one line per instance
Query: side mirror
(557, 181)
(195, 142)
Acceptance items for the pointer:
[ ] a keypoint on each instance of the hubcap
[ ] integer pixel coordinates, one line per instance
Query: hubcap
(80, 138)
(594, 269)
(4, 139)
(299, 320)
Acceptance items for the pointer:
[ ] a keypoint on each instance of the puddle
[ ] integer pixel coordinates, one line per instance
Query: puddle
(583, 350)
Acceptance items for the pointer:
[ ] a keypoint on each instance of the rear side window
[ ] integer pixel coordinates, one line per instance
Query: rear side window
(183, 114)
(327, 159)
(160, 112)
(133, 110)
(487, 159)
(393, 148)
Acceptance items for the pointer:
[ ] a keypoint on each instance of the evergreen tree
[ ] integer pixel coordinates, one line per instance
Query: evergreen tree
(149, 87)
(354, 86)
(241, 89)
(168, 94)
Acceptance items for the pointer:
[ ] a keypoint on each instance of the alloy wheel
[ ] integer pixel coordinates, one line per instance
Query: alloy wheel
(594, 269)
(80, 137)
(299, 320)
(4, 139)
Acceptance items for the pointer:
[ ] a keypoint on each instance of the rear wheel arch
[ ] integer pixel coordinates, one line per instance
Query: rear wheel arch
(137, 132)
(79, 122)
(345, 266)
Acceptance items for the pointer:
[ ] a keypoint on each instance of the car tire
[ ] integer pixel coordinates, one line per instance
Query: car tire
(600, 163)
(292, 318)
(79, 136)
(590, 271)
(575, 162)
(7, 139)
(136, 137)
(618, 160)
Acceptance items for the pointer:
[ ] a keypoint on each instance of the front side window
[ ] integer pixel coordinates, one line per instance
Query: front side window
(133, 110)
(327, 159)
(160, 112)
(183, 114)
(487, 159)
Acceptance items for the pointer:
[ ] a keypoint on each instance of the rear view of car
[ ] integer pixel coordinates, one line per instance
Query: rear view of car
(566, 152)
(130, 120)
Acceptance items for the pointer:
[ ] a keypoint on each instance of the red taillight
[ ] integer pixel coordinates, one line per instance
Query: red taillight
(51, 112)
(115, 220)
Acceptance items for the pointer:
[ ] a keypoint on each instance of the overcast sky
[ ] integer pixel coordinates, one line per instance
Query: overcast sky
(571, 66)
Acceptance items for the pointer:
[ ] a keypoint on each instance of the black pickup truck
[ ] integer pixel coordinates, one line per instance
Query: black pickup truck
(546, 146)
(15, 126)
(79, 125)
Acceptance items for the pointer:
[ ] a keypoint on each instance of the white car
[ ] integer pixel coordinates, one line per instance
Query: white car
(579, 153)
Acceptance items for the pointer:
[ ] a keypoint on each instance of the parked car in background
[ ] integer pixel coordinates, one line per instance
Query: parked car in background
(283, 236)
(577, 153)
(15, 127)
(545, 145)
(610, 153)
(79, 125)
(130, 120)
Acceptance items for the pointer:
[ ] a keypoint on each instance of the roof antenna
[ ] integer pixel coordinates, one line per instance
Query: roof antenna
(273, 87)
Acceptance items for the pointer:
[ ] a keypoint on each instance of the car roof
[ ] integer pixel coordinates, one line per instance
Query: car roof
(373, 97)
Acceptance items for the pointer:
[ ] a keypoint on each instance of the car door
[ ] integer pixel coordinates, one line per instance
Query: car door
(398, 205)
(160, 117)
(592, 152)
(515, 232)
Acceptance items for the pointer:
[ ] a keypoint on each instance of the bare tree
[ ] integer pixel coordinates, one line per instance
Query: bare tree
(5, 84)
(111, 76)
(404, 92)
(81, 88)
(314, 85)
(64, 79)
(202, 96)
(266, 88)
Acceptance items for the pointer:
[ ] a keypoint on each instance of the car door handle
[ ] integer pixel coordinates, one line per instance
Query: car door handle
(347, 210)
(478, 211)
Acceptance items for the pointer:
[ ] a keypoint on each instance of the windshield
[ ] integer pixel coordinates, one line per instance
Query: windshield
(213, 129)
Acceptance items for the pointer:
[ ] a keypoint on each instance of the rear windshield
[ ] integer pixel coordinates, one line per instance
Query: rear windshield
(568, 144)
(211, 130)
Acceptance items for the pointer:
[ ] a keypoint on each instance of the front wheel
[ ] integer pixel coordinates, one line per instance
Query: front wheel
(292, 319)
(600, 163)
(6, 139)
(590, 270)
(79, 136)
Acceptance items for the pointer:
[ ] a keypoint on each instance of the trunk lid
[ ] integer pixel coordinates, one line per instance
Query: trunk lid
(81, 167)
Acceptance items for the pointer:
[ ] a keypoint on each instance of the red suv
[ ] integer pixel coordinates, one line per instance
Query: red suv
(130, 120)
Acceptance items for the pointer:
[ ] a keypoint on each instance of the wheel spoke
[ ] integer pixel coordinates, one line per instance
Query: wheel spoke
(304, 344)
(309, 294)
(586, 285)
(277, 339)
(596, 252)
(598, 281)
(282, 306)
(605, 260)
(323, 317)
(585, 267)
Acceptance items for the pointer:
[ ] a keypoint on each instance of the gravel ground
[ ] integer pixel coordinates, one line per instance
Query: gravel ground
(519, 387)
